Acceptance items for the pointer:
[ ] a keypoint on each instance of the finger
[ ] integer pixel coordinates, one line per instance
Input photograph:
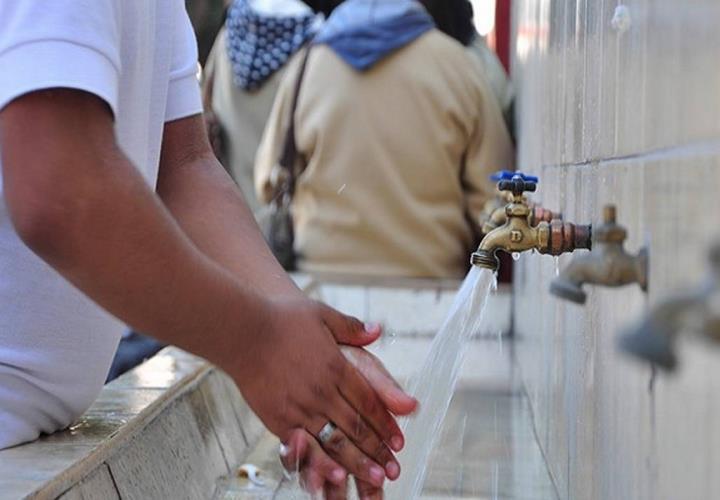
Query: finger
(335, 491)
(340, 448)
(295, 453)
(312, 482)
(361, 396)
(348, 329)
(396, 400)
(303, 452)
(367, 491)
(362, 435)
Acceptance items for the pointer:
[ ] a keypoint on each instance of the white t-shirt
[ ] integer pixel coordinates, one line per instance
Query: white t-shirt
(140, 56)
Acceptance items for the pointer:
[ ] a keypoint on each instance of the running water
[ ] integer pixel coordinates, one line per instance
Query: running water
(434, 384)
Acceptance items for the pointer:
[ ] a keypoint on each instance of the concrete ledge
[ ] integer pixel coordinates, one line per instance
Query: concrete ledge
(167, 429)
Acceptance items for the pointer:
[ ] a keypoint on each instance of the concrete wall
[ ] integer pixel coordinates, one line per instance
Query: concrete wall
(627, 113)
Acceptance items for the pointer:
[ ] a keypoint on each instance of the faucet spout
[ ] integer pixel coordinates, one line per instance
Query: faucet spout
(607, 265)
(653, 339)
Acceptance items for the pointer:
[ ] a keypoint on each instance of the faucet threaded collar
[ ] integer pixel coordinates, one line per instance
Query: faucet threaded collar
(485, 259)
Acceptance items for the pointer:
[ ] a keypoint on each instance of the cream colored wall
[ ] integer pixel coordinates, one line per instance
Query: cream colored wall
(632, 118)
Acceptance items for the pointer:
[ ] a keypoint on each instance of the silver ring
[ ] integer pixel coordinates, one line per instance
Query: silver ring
(326, 432)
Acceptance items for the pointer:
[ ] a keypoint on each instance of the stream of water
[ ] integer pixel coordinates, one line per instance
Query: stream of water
(434, 384)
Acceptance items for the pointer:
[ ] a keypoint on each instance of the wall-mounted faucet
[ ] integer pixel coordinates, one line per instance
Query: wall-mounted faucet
(517, 235)
(494, 214)
(698, 310)
(607, 265)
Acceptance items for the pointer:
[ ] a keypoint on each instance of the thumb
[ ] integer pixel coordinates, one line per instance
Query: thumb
(349, 330)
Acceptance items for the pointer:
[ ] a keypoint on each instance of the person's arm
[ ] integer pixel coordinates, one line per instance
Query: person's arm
(77, 201)
(204, 200)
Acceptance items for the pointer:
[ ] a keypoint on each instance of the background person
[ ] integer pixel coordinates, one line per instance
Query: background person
(399, 130)
(455, 18)
(243, 73)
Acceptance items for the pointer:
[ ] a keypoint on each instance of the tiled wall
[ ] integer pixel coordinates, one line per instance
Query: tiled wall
(625, 113)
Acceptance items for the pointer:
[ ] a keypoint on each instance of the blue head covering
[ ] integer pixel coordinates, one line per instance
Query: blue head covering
(363, 32)
(259, 44)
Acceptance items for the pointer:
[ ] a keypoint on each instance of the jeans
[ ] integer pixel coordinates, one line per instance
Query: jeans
(133, 350)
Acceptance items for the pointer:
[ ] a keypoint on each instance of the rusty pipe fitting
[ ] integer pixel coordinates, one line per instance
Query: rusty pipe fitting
(567, 237)
(540, 214)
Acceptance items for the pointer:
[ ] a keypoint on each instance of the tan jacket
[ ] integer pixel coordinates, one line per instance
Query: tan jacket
(394, 157)
(243, 116)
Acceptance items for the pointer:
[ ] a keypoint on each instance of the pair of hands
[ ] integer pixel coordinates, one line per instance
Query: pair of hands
(296, 378)
(319, 474)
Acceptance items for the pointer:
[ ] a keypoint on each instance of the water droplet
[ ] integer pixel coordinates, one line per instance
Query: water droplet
(621, 20)
(392, 337)
(516, 256)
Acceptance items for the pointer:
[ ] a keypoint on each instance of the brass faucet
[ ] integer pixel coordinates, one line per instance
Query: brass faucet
(607, 265)
(493, 214)
(696, 310)
(517, 235)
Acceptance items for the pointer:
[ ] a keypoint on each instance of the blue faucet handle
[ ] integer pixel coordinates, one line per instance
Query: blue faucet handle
(502, 175)
(507, 175)
(517, 185)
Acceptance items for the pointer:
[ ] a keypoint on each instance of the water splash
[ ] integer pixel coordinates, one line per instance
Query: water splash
(516, 256)
(435, 383)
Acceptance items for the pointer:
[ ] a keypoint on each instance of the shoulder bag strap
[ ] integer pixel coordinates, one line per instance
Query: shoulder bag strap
(289, 155)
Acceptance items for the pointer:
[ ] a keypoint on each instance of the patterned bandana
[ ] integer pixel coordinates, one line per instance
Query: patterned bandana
(259, 45)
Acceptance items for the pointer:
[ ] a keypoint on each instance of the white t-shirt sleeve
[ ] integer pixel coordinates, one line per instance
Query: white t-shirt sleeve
(63, 43)
(184, 89)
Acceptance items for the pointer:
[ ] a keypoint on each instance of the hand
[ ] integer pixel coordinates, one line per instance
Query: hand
(294, 376)
(303, 454)
(319, 474)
